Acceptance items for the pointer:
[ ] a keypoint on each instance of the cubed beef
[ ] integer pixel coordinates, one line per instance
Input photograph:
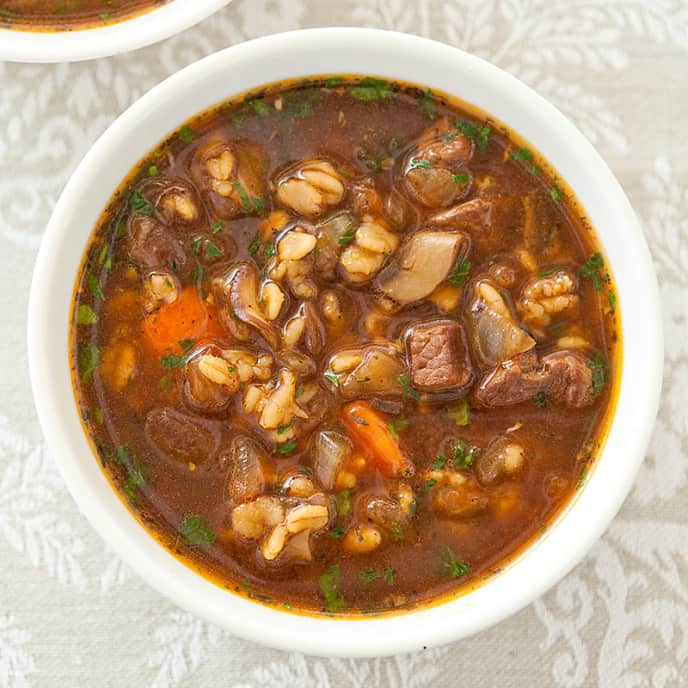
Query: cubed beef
(438, 356)
(564, 377)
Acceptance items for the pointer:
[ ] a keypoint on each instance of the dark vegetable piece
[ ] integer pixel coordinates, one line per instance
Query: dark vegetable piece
(248, 476)
(329, 451)
(182, 437)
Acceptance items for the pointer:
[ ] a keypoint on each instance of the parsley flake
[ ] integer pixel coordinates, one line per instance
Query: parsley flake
(196, 532)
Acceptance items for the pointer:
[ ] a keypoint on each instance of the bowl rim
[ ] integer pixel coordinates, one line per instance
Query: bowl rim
(135, 32)
(544, 562)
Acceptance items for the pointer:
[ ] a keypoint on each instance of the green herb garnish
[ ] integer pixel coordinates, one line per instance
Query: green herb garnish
(461, 412)
(332, 377)
(396, 425)
(427, 103)
(462, 457)
(404, 381)
(211, 250)
(342, 501)
(462, 178)
(599, 369)
(541, 400)
(333, 81)
(591, 270)
(370, 88)
(281, 429)
(329, 587)
(611, 297)
(420, 163)
(555, 193)
(88, 358)
(217, 226)
(186, 134)
(288, 447)
(138, 203)
(85, 315)
(450, 566)
(195, 531)
(480, 135)
(94, 287)
(348, 235)
(369, 575)
(337, 532)
(439, 462)
(388, 575)
(460, 273)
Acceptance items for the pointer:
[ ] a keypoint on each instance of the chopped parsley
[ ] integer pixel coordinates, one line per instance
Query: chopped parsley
(581, 479)
(217, 226)
(462, 178)
(474, 132)
(85, 315)
(138, 204)
(369, 575)
(251, 206)
(281, 429)
(196, 245)
(462, 457)
(186, 134)
(88, 358)
(254, 246)
(427, 103)
(555, 193)
(450, 566)
(329, 583)
(427, 487)
(542, 400)
(134, 470)
(196, 532)
(521, 154)
(260, 107)
(342, 501)
(388, 575)
(439, 462)
(333, 81)
(460, 273)
(591, 270)
(94, 287)
(598, 366)
(337, 532)
(370, 88)
(398, 532)
(332, 377)
(420, 163)
(348, 235)
(404, 381)
(288, 447)
(548, 270)
(153, 170)
(172, 361)
(461, 412)
(611, 297)
(211, 250)
(270, 250)
(396, 425)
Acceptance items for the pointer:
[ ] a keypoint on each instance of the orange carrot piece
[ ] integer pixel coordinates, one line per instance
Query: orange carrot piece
(368, 430)
(189, 317)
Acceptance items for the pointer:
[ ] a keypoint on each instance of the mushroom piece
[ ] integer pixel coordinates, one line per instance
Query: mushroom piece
(310, 187)
(152, 246)
(430, 170)
(236, 295)
(329, 451)
(371, 371)
(392, 510)
(331, 234)
(476, 213)
(248, 474)
(496, 335)
(424, 261)
(230, 175)
(182, 437)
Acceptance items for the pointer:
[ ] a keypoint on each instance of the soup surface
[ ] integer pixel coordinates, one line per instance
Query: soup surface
(64, 15)
(344, 346)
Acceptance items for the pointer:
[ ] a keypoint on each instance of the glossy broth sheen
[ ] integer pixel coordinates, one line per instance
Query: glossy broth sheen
(64, 15)
(442, 469)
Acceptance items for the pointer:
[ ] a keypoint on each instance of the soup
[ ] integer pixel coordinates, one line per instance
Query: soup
(64, 15)
(344, 345)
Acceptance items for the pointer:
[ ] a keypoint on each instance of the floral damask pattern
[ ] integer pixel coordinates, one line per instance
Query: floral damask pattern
(72, 614)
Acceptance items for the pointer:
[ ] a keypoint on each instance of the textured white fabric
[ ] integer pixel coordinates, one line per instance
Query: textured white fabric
(70, 612)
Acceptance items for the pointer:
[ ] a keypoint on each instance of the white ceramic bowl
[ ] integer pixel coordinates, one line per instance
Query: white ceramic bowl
(395, 56)
(109, 39)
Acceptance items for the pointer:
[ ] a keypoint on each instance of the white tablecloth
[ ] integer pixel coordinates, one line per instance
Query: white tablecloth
(71, 615)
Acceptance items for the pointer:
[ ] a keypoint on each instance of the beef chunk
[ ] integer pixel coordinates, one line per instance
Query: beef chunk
(152, 245)
(439, 356)
(563, 376)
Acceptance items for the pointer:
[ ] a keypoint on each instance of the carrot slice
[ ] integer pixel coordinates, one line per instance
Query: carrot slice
(367, 428)
(189, 317)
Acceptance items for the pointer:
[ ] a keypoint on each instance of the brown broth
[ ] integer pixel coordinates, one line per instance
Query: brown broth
(67, 15)
(560, 443)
